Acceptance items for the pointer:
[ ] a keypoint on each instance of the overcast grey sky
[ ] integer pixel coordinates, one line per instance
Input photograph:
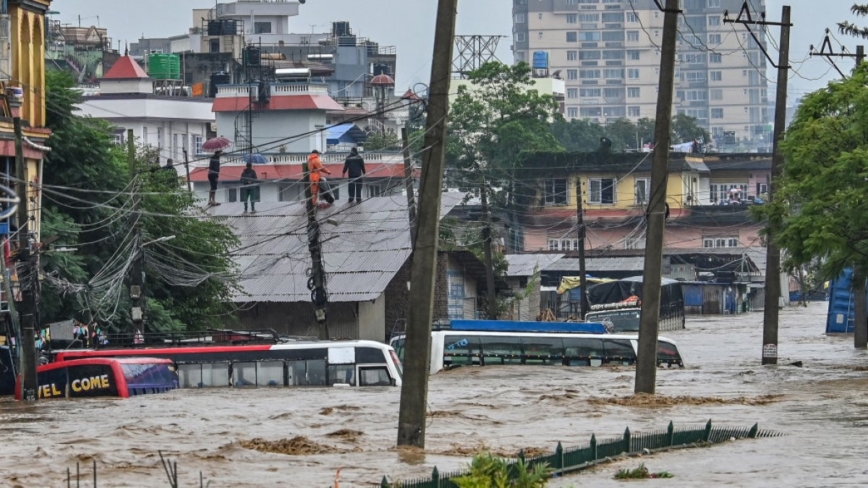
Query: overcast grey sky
(409, 25)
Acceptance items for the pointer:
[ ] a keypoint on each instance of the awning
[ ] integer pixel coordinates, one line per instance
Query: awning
(345, 134)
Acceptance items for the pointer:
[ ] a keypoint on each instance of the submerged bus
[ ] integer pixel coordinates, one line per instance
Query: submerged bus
(312, 363)
(103, 377)
(450, 348)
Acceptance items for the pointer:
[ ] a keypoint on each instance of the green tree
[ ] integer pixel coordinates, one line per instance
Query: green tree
(818, 207)
(378, 141)
(851, 29)
(88, 204)
(686, 129)
(578, 134)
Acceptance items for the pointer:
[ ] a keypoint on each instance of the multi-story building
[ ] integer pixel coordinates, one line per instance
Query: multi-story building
(608, 53)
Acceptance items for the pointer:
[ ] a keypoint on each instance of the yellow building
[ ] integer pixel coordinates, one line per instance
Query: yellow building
(22, 81)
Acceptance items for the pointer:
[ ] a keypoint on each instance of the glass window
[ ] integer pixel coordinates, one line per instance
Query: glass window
(190, 376)
(589, 55)
(460, 349)
(572, 112)
(262, 27)
(589, 36)
(716, 75)
(633, 55)
(613, 36)
(572, 93)
(270, 373)
(715, 58)
(297, 371)
(374, 377)
(215, 374)
(633, 73)
(572, 74)
(633, 36)
(633, 92)
(612, 17)
(668, 353)
(634, 111)
(543, 350)
(342, 374)
(572, 37)
(572, 55)
(316, 372)
(713, 20)
(501, 350)
(619, 351)
(602, 191)
(244, 374)
(582, 351)
(571, 18)
(717, 113)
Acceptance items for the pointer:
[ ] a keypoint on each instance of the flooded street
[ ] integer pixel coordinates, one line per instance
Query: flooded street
(821, 408)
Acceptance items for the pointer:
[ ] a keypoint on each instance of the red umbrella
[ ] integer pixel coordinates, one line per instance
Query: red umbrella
(216, 144)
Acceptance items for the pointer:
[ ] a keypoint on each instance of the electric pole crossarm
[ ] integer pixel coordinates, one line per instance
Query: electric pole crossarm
(747, 25)
(665, 10)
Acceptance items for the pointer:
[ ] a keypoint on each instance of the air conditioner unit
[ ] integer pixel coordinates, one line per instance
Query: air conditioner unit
(5, 48)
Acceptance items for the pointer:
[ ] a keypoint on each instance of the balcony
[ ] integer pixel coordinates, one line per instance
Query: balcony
(277, 89)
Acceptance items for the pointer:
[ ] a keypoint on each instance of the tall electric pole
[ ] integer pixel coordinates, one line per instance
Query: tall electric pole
(414, 391)
(773, 252)
(408, 185)
(316, 284)
(489, 259)
(580, 224)
(28, 274)
(646, 359)
(137, 279)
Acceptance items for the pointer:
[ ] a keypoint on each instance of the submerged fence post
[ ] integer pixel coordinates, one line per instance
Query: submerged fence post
(94, 473)
(594, 447)
(77, 474)
(435, 477)
(384, 483)
(559, 464)
(68, 478)
(521, 455)
(627, 440)
(708, 431)
(753, 431)
(671, 431)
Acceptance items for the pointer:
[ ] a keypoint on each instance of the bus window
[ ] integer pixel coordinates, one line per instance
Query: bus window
(582, 351)
(316, 372)
(190, 375)
(501, 350)
(619, 351)
(342, 373)
(543, 350)
(374, 376)
(269, 373)
(667, 353)
(297, 371)
(460, 349)
(215, 374)
(243, 374)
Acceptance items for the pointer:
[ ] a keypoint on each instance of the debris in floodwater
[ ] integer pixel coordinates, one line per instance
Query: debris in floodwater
(480, 448)
(347, 435)
(330, 410)
(297, 446)
(644, 400)
(797, 364)
(639, 473)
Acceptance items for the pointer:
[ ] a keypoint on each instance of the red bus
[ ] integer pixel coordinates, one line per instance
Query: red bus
(98, 377)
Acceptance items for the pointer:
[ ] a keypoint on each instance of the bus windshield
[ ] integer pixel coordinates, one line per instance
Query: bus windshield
(622, 320)
(146, 375)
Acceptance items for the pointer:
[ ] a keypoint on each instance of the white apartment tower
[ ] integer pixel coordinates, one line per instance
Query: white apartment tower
(607, 53)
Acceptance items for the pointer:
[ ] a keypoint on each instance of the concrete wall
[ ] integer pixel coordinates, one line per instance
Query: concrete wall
(372, 319)
(527, 308)
(297, 319)
(272, 126)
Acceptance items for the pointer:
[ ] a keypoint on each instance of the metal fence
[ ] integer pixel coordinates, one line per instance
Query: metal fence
(563, 461)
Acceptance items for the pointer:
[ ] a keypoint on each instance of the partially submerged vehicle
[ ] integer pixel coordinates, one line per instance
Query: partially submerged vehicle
(103, 377)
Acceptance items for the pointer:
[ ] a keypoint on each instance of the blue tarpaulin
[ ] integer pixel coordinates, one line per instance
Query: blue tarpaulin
(345, 134)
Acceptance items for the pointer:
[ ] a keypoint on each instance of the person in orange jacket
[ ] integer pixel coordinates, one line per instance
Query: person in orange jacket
(316, 168)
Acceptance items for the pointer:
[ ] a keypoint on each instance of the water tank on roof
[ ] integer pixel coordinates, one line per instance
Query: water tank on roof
(252, 56)
(347, 41)
(340, 29)
(540, 60)
(164, 66)
(373, 48)
(218, 79)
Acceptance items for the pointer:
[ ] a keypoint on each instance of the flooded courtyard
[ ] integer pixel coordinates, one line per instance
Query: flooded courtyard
(301, 437)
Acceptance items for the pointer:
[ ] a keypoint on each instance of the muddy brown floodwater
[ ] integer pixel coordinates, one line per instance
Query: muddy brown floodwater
(301, 437)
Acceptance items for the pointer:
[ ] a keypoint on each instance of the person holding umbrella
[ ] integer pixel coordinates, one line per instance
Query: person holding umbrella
(248, 187)
(213, 176)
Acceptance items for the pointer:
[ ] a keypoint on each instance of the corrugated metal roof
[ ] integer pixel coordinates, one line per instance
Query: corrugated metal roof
(364, 246)
(599, 264)
(524, 264)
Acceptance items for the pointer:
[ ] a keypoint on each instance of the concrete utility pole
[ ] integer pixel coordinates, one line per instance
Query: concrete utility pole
(646, 359)
(316, 284)
(414, 392)
(137, 279)
(28, 274)
(408, 185)
(187, 169)
(580, 224)
(489, 260)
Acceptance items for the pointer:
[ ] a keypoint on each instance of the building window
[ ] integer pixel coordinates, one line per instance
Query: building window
(555, 191)
(572, 55)
(633, 55)
(717, 113)
(713, 3)
(262, 27)
(632, 36)
(589, 18)
(716, 75)
(118, 137)
(197, 143)
(231, 194)
(716, 94)
(713, 20)
(714, 38)
(586, 74)
(590, 92)
(554, 244)
(589, 36)
(712, 242)
(572, 112)
(632, 17)
(589, 55)
(520, 37)
(643, 190)
(520, 18)
(591, 112)
(613, 73)
(602, 191)
(633, 112)
(633, 74)
(634, 242)
(726, 192)
(762, 189)
(633, 92)
(572, 74)
(572, 93)
(572, 18)
(715, 58)
(572, 37)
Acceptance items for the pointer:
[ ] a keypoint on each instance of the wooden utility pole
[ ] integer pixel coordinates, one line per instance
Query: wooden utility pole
(414, 391)
(860, 55)
(319, 296)
(28, 273)
(187, 169)
(489, 259)
(580, 224)
(408, 185)
(646, 359)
